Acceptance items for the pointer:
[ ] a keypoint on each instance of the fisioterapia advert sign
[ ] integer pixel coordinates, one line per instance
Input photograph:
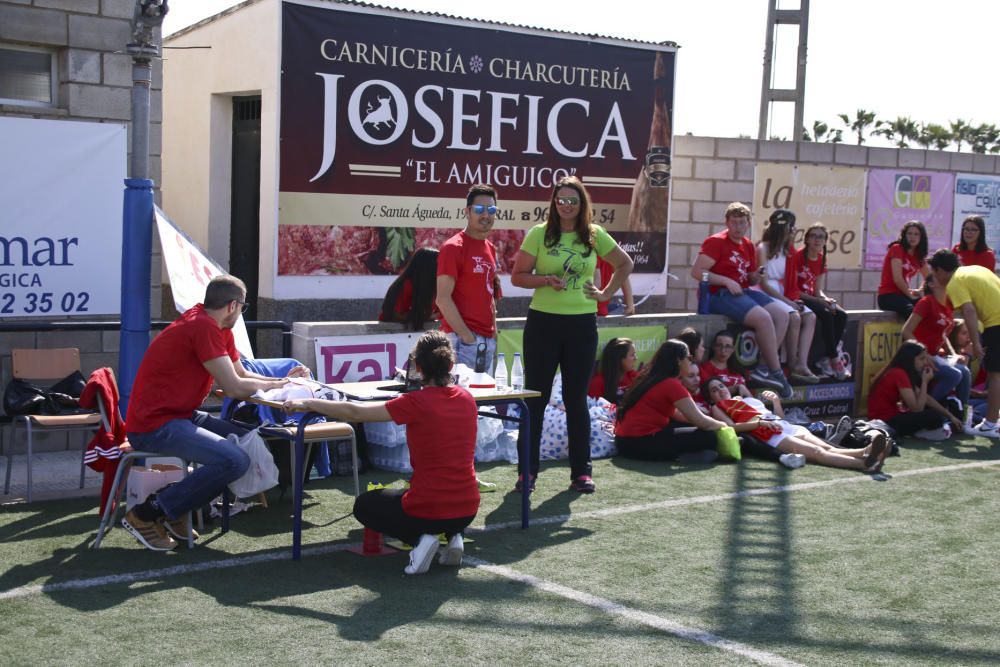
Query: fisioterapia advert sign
(388, 118)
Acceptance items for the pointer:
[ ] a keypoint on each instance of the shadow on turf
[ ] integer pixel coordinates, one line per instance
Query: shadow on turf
(962, 448)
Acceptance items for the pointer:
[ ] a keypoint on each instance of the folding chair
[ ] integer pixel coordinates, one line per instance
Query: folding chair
(47, 365)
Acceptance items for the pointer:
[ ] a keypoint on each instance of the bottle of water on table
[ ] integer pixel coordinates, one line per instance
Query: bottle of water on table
(501, 373)
(517, 373)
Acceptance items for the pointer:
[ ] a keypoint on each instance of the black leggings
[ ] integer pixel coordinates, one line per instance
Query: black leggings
(831, 325)
(908, 423)
(382, 511)
(666, 445)
(568, 342)
(897, 303)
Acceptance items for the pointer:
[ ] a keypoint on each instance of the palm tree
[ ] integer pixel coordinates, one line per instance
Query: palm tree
(935, 135)
(822, 132)
(861, 121)
(961, 132)
(902, 130)
(983, 138)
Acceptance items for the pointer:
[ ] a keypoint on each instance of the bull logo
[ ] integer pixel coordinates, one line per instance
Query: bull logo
(378, 115)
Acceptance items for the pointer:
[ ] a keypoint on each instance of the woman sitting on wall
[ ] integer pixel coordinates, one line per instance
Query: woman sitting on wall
(749, 415)
(972, 249)
(410, 298)
(441, 434)
(905, 259)
(905, 381)
(617, 371)
(810, 275)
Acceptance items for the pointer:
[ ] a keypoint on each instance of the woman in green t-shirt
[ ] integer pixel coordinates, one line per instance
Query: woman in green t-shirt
(557, 259)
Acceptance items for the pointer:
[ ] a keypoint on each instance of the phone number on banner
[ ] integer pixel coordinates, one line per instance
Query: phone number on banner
(43, 303)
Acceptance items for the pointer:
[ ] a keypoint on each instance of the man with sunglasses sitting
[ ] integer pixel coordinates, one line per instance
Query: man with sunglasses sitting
(173, 380)
(467, 284)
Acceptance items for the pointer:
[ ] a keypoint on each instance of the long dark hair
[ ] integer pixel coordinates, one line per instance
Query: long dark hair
(435, 357)
(421, 271)
(921, 250)
(692, 338)
(905, 358)
(584, 229)
(978, 221)
(778, 234)
(666, 364)
(731, 361)
(611, 365)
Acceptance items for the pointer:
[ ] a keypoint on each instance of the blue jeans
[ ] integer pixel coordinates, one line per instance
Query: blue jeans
(466, 353)
(735, 307)
(200, 439)
(951, 377)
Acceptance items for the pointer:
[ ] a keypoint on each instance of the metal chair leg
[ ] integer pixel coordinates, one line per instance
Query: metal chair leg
(114, 497)
(27, 424)
(83, 464)
(10, 455)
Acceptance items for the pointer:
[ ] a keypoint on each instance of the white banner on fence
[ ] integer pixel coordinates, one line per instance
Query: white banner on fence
(361, 358)
(61, 185)
(190, 269)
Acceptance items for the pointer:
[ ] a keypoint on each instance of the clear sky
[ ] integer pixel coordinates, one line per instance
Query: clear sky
(927, 59)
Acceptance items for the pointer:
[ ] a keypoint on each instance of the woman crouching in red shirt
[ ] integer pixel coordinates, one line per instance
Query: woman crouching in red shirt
(441, 433)
(644, 429)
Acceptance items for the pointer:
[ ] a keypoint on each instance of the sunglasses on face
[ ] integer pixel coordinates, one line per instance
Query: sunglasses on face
(479, 209)
(567, 201)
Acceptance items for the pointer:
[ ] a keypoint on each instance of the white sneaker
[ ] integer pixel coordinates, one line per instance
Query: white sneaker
(451, 553)
(825, 369)
(792, 461)
(982, 429)
(843, 428)
(936, 434)
(422, 555)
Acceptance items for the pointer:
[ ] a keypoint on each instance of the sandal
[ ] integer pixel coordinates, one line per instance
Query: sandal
(803, 375)
(878, 448)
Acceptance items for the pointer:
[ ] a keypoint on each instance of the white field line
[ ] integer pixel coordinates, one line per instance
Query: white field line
(649, 620)
(179, 570)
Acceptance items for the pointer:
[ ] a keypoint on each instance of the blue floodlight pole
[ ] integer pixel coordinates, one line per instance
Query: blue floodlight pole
(137, 210)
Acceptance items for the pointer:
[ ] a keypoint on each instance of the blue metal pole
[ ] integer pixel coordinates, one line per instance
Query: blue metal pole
(137, 250)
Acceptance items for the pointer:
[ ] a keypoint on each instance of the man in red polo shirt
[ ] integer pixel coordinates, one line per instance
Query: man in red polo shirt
(730, 261)
(467, 282)
(174, 378)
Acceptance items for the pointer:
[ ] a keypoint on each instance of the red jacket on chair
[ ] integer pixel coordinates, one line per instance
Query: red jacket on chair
(103, 452)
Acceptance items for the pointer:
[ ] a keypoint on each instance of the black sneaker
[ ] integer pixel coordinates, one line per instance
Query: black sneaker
(878, 448)
(519, 486)
(583, 484)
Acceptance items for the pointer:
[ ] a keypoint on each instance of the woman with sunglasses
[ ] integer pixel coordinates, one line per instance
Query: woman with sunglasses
(557, 259)
(972, 248)
(905, 259)
(810, 276)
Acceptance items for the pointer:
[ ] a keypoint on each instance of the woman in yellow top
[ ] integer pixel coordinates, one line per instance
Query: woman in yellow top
(557, 259)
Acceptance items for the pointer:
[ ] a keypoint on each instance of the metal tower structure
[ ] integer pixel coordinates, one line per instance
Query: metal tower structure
(768, 93)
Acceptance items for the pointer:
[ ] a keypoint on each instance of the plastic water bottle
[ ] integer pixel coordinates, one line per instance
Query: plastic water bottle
(703, 294)
(517, 373)
(501, 373)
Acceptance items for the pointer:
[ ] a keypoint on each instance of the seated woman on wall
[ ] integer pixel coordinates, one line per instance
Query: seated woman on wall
(441, 434)
(776, 254)
(930, 323)
(831, 319)
(617, 371)
(692, 338)
(646, 429)
(905, 381)
(749, 415)
(410, 298)
(905, 259)
(972, 249)
(722, 365)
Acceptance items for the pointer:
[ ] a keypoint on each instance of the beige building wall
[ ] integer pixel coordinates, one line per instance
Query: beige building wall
(205, 66)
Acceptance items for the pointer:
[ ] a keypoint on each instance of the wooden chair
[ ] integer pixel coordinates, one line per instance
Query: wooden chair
(47, 366)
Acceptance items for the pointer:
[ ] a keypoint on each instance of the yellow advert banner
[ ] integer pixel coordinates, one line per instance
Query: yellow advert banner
(878, 346)
(834, 196)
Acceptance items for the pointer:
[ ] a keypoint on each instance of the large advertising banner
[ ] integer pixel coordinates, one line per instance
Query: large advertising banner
(878, 346)
(386, 121)
(976, 194)
(834, 196)
(647, 341)
(61, 185)
(362, 358)
(897, 196)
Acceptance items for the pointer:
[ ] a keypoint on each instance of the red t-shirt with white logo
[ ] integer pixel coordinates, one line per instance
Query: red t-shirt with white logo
(729, 378)
(884, 397)
(935, 322)
(472, 263)
(653, 411)
(172, 381)
(972, 258)
(732, 260)
(808, 271)
(911, 267)
(441, 434)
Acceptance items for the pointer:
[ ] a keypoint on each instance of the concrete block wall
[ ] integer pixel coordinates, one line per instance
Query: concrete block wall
(708, 173)
(87, 38)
